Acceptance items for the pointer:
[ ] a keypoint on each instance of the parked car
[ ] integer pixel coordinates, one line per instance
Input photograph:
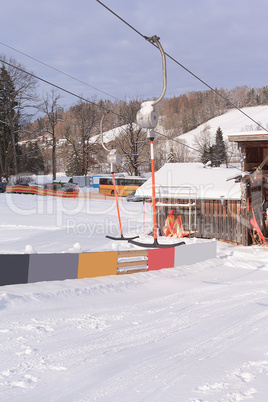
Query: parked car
(134, 198)
(61, 183)
(70, 188)
(2, 187)
(52, 186)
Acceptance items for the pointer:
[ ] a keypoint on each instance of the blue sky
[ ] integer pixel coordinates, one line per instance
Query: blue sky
(223, 42)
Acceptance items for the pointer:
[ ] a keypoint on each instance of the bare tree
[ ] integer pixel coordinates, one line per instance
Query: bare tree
(132, 142)
(83, 123)
(203, 142)
(233, 153)
(53, 115)
(182, 153)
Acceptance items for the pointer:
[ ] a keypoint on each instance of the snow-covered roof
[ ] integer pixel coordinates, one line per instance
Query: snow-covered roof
(249, 136)
(210, 183)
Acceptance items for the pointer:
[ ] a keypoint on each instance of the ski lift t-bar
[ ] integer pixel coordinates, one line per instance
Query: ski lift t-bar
(147, 118)
(114, 158)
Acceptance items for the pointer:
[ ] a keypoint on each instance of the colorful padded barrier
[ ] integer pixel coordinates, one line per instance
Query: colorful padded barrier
(193, 253)
(159, 258)
(14, 269)
(25, 268)
(97, 264)
(52, 267)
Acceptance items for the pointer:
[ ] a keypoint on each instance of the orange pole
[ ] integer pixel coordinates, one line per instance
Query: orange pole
(117, 206)
(143, 216)
(153, 189)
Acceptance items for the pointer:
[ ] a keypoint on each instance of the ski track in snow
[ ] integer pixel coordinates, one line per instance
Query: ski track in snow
(194, 333)
(151, 336)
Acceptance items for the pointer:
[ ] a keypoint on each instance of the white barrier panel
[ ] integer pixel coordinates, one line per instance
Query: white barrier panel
(193, 253)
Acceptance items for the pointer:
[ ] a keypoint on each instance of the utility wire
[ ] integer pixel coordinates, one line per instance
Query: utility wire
(95, 104)
(58, 87)
(124, 21)
(108, 110)
(80, 97)
(59, 71)
(190, 72)
(181, 65)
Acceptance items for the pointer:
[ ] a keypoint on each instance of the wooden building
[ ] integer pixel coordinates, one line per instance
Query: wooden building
(207, 199)
(254, 148)
(212, 202)
(220, 219)
(254, 183)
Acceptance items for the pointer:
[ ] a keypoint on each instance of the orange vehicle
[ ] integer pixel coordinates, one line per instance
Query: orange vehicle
(125, 185)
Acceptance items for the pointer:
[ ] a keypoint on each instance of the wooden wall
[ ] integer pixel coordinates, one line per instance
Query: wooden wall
(226, 222)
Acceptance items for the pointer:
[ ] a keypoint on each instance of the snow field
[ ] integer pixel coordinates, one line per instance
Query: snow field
(193, 333)
(51, 224)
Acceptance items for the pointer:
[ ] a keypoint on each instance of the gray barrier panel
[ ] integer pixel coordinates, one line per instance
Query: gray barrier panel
(52, 267)
(193, 253)
(13, 269)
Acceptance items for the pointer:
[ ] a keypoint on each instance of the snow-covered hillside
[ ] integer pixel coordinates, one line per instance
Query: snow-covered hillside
(231, 122)
(110, 135)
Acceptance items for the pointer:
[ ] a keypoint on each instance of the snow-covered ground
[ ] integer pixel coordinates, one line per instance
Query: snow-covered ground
(192, 333)
(54, 225)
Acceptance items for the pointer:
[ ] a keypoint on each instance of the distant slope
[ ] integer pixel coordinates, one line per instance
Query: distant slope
(231, 122)
(110, 135)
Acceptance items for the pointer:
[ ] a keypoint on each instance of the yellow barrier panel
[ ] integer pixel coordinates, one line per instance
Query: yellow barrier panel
(95, 264)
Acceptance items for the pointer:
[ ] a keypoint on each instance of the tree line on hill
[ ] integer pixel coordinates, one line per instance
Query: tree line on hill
(183, 113)
(69, 140)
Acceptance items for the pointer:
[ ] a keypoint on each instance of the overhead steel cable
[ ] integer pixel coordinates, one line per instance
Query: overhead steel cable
(181, 65)
(93, 103)
(58, 87)
(59, 71)
(106, 93)
(124, 21)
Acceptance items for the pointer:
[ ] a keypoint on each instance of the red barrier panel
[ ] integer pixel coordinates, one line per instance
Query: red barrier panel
(159, 258)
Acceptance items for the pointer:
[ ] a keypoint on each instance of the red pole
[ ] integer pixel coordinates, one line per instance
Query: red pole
(117, 206)
(153, 189)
